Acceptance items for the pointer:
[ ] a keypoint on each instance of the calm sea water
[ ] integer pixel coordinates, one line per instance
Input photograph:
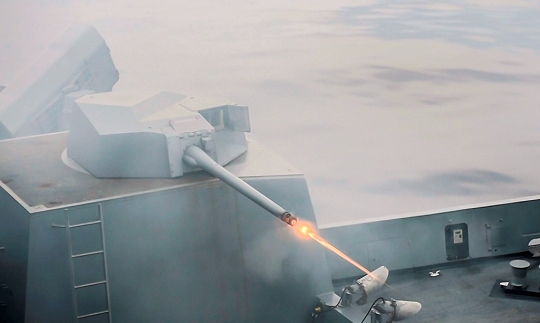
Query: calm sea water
(388, 108)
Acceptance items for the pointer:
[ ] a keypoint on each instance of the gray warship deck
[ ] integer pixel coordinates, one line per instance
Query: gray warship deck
(463, 292)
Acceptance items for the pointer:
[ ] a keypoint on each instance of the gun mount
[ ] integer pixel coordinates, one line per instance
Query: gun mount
(86, 247)
(164, 136)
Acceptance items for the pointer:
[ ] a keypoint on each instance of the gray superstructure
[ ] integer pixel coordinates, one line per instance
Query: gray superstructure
(153, 250)
(40, 99)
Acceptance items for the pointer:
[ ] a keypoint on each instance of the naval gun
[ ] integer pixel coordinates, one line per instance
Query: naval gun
(164, 136)
(97, 233)
(195, 156)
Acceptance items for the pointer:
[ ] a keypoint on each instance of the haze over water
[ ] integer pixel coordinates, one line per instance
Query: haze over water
(388, 108)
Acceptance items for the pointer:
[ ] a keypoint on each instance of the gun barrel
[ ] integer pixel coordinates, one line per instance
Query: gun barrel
(202, 160)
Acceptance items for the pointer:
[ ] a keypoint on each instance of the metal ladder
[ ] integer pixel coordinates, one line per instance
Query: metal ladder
(85, 294)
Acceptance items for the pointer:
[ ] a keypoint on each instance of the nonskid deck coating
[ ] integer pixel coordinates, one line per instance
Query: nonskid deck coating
(463, 292)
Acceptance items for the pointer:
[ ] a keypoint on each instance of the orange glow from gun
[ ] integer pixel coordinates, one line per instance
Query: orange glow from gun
(307, 231)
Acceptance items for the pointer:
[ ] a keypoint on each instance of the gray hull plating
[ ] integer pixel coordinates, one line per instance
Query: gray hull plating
(196, 252)
(402, 243)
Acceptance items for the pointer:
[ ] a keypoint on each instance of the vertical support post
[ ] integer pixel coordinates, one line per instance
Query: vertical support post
(70, 247)
(105, 261)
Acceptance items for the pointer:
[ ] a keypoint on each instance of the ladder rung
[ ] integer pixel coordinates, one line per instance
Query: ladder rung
(91, 284)
(83, 224)
(92, 314)
(87, 254)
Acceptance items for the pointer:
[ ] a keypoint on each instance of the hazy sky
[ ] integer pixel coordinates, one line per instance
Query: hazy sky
(387, 108)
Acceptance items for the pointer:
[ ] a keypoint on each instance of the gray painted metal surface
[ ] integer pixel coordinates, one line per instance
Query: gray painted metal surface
(197, 251)
(159, 233)
(140, 136)
(41, 98)
(14, 234)
(493, 230)
(197, 157)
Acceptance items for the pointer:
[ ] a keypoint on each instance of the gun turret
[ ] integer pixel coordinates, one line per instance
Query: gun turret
(163, 136)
